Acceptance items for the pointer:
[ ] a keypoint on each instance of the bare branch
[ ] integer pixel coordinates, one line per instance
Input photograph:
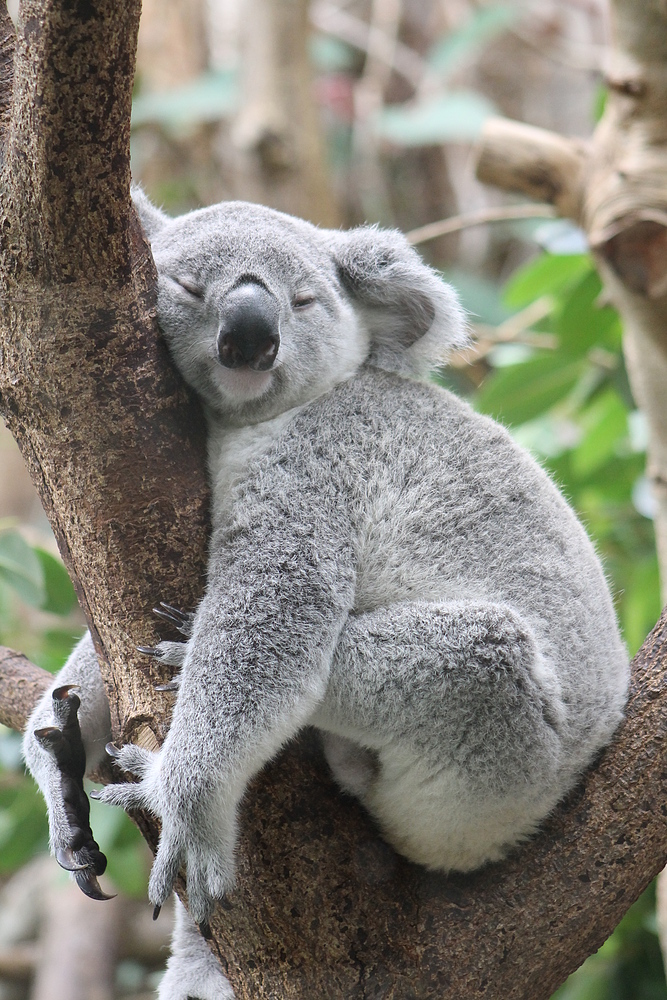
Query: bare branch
(503, 213)
(21, 686)
(534, 162)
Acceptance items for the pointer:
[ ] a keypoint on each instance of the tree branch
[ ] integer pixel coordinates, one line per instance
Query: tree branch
(21, 686)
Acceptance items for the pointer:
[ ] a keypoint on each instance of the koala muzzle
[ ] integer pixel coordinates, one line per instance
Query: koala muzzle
(249, 330)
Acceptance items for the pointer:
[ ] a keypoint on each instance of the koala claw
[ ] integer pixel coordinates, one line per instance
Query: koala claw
(87, 882)
(181, 619)
(65, 858)
(151, 651)
(170, 686)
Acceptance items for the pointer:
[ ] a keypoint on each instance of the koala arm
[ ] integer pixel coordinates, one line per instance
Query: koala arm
(60, 745)
(257, 664)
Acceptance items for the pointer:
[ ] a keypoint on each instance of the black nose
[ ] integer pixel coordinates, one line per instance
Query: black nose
(248, 334)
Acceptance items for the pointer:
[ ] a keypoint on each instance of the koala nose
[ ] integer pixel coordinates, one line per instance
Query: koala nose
(248, 334)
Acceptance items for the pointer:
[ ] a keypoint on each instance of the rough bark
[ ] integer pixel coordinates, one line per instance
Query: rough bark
(323, 907)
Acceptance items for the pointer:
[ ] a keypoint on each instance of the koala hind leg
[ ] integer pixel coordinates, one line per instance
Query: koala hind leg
(459, 685)
(192, 971)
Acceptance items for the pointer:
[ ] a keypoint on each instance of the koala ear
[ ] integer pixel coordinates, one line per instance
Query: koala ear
(414, 318)
(151, 218)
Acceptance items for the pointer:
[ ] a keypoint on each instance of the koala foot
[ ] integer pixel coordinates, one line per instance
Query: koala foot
(192, 971)
(190, 837)
(64, 744)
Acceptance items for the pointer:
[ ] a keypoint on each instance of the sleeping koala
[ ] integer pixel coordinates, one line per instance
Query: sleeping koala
(385, 564)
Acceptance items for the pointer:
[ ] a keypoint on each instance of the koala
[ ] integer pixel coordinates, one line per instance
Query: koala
(386, 565)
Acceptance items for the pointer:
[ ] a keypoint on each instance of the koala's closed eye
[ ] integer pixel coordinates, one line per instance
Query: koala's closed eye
(190, 286)
(303, 299)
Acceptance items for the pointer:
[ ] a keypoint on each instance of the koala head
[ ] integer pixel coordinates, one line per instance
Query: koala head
(263, 312)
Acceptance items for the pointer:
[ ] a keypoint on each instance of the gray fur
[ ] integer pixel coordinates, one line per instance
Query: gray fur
(385, 564)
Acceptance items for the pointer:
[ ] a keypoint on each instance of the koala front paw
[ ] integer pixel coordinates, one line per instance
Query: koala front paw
(74, 846)
(188, 830)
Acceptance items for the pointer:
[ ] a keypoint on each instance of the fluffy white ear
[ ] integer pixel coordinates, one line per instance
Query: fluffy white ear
(414, 318)
(152, 219)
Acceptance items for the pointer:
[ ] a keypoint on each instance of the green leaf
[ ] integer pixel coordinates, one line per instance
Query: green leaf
(209, 98)
(21, 568)
(448, 117)
(23, 827)
(60, 595)
(524, 391)
(606, 426)
(581, 323)
(453, 48)
(547, 274)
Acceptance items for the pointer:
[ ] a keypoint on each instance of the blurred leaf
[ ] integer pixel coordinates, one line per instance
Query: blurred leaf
(606, 423)
(60, 595)
(546, 274)
(582, 323)
(330, 55)
(21, 568)
(209, 98)
(521, 392)
(451, 117)
(456, 46)
(23, 827)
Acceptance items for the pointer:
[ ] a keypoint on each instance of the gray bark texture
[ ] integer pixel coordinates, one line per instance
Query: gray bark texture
(115, 445)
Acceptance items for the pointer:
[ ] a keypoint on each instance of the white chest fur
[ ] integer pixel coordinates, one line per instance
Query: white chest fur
(230, 451)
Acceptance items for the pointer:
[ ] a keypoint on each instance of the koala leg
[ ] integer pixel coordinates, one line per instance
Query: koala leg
(446, 722)
(459, 684)
(192, 971)
(61, 743)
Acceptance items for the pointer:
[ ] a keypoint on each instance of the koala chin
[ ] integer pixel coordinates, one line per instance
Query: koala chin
(385, 565)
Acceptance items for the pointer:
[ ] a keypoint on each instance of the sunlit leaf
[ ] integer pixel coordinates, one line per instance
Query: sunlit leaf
(606, 425)
(521, 392)
(21, 568)
(582, 323)
(546, 274)
(60, 596)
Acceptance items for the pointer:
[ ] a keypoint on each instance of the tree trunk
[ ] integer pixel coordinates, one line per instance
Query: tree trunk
(322, 907)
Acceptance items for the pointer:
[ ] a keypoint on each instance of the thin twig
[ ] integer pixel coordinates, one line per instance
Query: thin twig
(458, 222)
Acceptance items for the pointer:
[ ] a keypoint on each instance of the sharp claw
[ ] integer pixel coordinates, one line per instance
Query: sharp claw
(205, 930)
(113, 750)
(150, 651)
(181, 619)
(65, 858)
(63, 692)
(96, 794)
(87, 882)
(50, 737)
(170, 686)
(156, 912)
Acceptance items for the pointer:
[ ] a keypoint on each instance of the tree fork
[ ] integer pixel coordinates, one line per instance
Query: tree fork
(322, 907)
